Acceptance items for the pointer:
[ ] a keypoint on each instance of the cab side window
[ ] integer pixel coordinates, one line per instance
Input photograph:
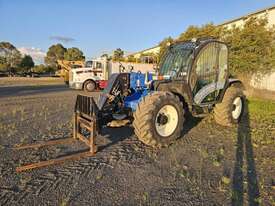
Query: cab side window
(205, 73)
(223, 56)
(206, 65)
(98, 65)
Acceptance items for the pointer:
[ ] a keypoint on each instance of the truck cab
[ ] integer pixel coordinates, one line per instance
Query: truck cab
(93, 75)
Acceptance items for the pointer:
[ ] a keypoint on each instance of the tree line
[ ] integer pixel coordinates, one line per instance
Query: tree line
(13, 62)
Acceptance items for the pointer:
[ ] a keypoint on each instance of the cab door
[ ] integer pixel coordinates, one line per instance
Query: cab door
(208, 70)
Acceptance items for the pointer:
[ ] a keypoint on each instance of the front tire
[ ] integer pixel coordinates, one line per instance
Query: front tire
(89, 86)
(230, 110)
(159, 118)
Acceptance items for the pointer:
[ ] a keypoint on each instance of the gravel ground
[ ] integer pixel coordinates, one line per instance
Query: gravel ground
(208, 165)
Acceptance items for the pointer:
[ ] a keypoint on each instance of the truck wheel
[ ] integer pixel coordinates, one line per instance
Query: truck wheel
(230, 110)
(89, 86)
(159, 118)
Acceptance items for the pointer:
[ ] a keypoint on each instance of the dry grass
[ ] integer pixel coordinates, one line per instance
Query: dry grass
(24, 81)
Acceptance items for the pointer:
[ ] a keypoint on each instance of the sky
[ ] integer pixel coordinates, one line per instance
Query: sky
(99, 26)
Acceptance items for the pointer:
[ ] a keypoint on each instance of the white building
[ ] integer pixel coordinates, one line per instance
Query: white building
(269, 13)
(154, 50)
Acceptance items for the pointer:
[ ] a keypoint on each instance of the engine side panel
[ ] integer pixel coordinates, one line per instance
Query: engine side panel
(230, 82)
(178, 87)
(138, 88)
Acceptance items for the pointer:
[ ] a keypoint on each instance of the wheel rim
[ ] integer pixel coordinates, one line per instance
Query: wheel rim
(237, 108)
(90, 86)
(166, 120)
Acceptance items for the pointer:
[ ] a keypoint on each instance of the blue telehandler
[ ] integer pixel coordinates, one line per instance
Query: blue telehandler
(193, 77)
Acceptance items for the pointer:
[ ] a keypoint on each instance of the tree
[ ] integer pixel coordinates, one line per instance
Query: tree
(26, 63)
(14, 58)
(163, 46)
(118, 55)
(41, 68)
(55, 52)
(252, 47)
(207, 30)
(74, 54)
(104, 55)
(6, 45)
(3, 64)
(131, 58)
(10, 57)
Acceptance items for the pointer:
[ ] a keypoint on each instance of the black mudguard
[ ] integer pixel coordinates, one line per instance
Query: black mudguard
(230, 82)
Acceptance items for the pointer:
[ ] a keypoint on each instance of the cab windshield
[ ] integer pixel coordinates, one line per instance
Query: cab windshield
(89, 64)
(175, 61)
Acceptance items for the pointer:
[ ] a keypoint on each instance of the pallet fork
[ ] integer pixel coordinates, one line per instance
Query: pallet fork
(85, 118)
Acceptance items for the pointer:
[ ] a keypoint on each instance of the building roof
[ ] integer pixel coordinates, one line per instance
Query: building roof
(248, 15)
(143, 50)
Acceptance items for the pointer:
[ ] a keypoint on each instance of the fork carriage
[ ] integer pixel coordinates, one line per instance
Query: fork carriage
(85, 118)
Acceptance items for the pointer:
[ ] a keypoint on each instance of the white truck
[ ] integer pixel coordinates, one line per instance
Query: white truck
(95, 73)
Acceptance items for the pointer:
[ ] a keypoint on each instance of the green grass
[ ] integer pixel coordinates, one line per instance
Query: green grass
(261, 109)
(262, 120)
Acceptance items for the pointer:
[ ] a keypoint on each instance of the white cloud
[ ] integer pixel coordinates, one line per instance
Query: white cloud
(63, 39)
(37, 54)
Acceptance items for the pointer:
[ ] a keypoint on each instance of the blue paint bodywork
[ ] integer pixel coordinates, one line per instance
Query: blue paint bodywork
(139, 89)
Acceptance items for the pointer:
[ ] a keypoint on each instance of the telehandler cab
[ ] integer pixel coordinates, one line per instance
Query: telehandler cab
(193, 76)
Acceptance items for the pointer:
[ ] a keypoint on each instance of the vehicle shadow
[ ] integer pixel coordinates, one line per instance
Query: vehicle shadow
(115, 135)
(244, 152)
(190, 123)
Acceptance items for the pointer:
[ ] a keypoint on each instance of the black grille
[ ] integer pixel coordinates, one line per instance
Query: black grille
(86, 105)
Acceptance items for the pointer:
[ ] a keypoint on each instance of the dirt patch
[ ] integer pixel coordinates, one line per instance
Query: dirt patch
(209, 165)
(23, 81)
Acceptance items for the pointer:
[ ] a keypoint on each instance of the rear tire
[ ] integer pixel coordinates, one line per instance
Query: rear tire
(159, 118)
(89, 86)
(230, 110)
